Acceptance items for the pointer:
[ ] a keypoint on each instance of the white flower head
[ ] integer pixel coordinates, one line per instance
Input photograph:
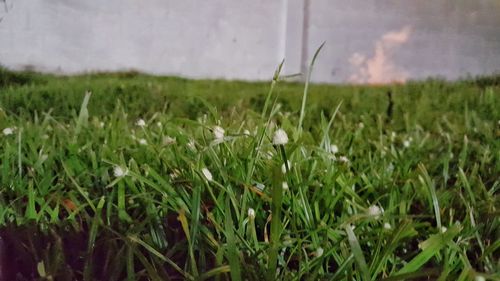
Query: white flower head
(361, 125)
(251, 213)
(334, 149)
(260, 186)
(319, 252)
(443, 229)
(374, 211)
(143, 142)
(8, 131)
(479, 278)
(218, 133)
(283, 167)
(343, 159)
(158, 124)
(101, 124)
(387, 226)
(167, 140)
(119, 171)
(406, 143)
(246, 132)
(280, 137)
(140, 123)
(284, 185)
(207, 174)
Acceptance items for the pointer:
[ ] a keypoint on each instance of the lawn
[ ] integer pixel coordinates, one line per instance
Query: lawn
(128, 176)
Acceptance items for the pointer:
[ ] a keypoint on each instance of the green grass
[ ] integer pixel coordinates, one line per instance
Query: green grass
(428, 157)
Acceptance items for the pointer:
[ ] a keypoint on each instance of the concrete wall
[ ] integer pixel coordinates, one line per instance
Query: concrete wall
(372, 41)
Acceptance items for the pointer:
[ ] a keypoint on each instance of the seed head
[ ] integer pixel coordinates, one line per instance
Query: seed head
(218, 133)
(343, 159)
(167, 140)
(251, 213)
(406, 143)
(374, 211)
(334, 149)
(319, 252)
(119, 171)
(8, 131)
(479, 278)
(140, 123)
(280, 137)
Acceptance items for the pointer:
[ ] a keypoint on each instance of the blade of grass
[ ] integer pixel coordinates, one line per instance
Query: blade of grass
(232, 251)
(306, 89)
(96, 221)
(276, 223)
(357, 253)
(430, 248)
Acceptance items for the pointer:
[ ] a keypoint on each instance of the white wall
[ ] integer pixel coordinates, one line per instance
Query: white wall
(366, 40)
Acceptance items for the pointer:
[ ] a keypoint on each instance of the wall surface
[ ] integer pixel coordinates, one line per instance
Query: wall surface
(367, 41)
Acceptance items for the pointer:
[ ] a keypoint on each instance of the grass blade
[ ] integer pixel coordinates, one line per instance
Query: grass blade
(430, 248)
(357, 253)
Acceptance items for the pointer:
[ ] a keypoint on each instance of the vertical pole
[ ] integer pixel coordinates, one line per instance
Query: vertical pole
(305, 41)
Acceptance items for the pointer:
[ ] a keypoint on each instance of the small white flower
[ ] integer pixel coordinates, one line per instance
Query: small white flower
(361, 125)
(207, 174)
(280, 137)
(143, 142)
(260, 186)
(218, 133)
(120, 172)
(158, 124)
(251, 213)
(343, 159)
(167, 140)
(374, 211)
(334, 149)
(283, 167)
(393, 136)
(406, 143)
(246, 132)
(45, 137)
(479, 278)
(443, 229)
(284, 185)
(319, 252)
(140, 123)
(8, 131)
(387, 226)
(101, 124)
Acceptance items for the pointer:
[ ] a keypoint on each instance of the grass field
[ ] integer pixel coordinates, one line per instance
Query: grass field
(160, 178)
